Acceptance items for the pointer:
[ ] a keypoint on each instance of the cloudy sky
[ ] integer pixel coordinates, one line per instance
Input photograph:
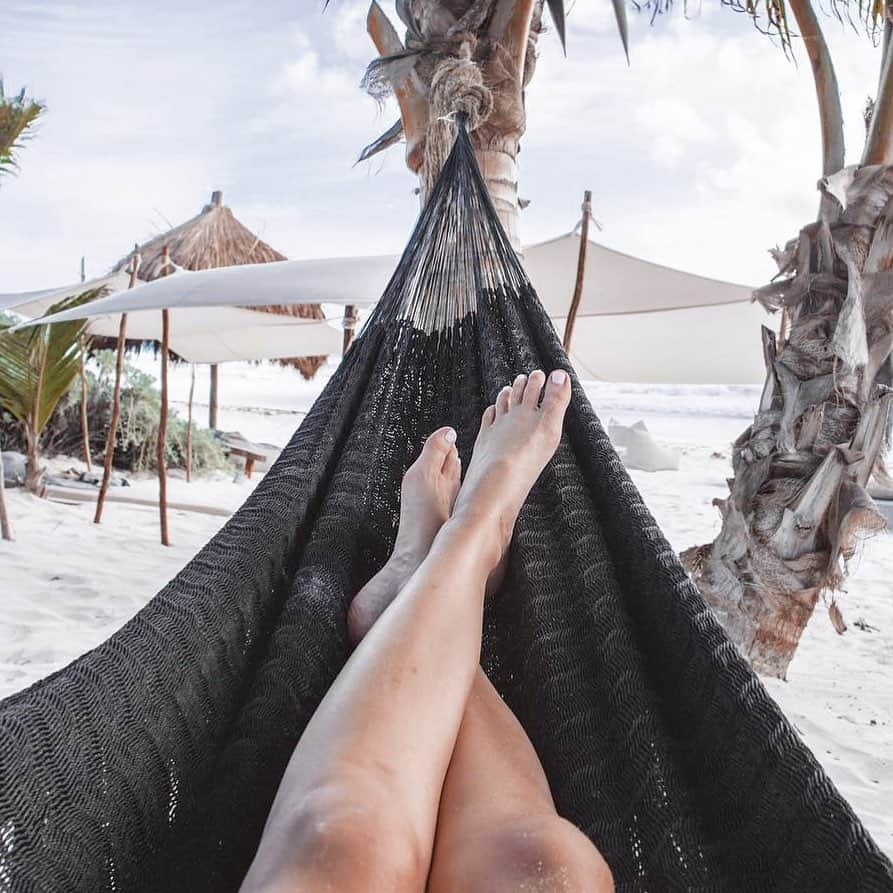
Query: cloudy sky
(700, 154)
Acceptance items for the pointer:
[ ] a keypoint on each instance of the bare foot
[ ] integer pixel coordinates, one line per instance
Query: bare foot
(517, 439)
(427, 495)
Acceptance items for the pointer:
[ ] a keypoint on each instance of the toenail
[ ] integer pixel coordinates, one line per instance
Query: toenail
(449, 435)
(558, 376)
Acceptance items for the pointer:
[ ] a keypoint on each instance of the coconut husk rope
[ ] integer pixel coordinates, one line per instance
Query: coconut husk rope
(457, 89)
(151, 762)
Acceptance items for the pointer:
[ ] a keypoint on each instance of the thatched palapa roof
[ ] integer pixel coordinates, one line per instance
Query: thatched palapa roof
(215, 238)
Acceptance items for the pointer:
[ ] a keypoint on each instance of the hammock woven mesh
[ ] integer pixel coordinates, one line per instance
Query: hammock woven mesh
(150, 763)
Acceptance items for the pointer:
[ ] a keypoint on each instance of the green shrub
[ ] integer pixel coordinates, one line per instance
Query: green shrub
(135, 444)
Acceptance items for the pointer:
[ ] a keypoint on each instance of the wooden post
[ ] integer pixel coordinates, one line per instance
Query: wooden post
(5, 526)
(85, 430)
(350, 325)
(581, 269)
(162, 421)
(212, 399)
(116, 400)
(189, 427)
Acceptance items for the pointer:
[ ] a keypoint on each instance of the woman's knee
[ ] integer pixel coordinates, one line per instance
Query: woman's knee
(543, 853)
(345, 834)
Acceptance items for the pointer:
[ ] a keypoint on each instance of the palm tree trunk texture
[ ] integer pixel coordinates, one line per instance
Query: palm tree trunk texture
(502, 35)
(798, 503)
(5, 526)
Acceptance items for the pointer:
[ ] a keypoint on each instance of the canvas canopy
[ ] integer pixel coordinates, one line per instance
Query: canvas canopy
(340, 280)
(643, 322)
(696, 345)
(36, 303)
(197, 334)
(637, 321)
(616, 283)
(225, 334)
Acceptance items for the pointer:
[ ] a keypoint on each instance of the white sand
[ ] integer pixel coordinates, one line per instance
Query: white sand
(66, 584)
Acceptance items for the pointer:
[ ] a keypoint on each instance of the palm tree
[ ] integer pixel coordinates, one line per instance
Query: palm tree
(37, 367)
(798, 500)
(18, 115)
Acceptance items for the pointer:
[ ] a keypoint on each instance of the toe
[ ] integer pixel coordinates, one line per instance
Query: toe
(450, 458)
(438, 445)
(504, 400)
(534, 388)
(557, 396)
(518, 389)
(487, 420)
(452, 469)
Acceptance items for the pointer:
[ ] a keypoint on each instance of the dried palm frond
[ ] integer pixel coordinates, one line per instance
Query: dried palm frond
(216, 238)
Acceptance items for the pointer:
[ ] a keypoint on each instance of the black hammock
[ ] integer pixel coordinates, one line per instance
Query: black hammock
(150, 763)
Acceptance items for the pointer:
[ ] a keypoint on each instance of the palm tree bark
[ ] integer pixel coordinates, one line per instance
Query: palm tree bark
(500, 35)
(33, 470)
(85, 425)
(798, 505)
(5, 526)
(879, 145)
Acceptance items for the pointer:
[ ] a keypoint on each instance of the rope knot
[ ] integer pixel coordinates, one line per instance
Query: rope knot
(457, 87)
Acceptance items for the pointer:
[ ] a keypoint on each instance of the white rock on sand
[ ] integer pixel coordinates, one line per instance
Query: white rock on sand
(67, 584)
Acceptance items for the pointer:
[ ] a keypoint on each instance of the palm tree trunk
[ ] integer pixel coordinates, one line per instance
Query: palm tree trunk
(503, 35)
(33, 471)
(85, 427)
(797, 505)
(5, 526)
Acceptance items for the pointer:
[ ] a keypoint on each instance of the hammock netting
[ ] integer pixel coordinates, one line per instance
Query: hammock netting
(150, 763)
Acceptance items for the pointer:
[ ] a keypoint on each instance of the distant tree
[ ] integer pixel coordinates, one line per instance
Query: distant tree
(18, 115)
(37, 367)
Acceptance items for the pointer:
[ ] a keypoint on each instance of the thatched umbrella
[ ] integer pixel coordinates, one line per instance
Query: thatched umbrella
(215, 238)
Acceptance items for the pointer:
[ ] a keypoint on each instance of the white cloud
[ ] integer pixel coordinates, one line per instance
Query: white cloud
(702, 153)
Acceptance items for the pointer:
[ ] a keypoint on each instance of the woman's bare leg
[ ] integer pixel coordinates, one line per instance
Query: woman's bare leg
(497, 829)
(357, 807)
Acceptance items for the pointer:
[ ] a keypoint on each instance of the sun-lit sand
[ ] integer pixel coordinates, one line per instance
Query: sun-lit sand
(66, 584)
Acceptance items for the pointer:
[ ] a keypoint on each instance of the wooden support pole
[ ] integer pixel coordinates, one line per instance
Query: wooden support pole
(5, 526)
(189, 426)
(85, 429)
(116, 400)
(581, 269)
(162, 421)
(212, 399)
(350, 326)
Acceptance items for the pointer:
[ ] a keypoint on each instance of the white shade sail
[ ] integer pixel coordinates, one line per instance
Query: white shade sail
(614, 282)
(200, 334)
(338, 280)
(225, 334)
(637, 321)
(36, 303)
(700, 345)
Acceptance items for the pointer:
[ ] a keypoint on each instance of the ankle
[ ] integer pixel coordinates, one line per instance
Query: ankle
(476, 536)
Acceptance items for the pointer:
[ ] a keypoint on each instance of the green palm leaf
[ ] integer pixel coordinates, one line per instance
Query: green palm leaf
(18, 114)
(39, 364)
